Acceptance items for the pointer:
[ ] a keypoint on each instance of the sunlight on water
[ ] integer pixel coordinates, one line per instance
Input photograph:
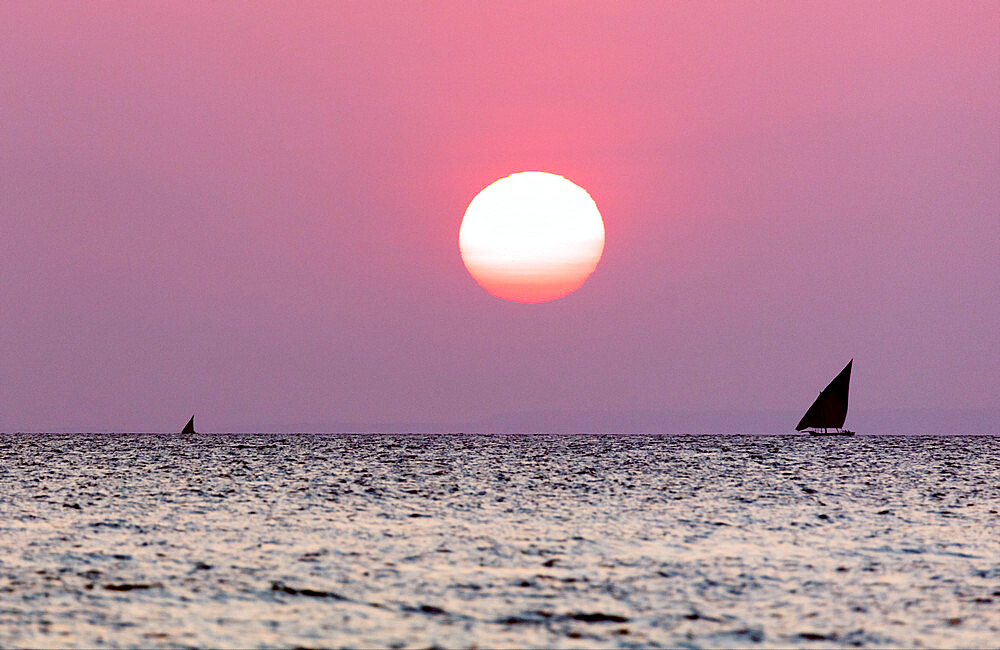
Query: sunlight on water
(564, 541)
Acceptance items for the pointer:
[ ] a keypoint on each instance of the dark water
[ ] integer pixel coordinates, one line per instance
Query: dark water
(565, 541)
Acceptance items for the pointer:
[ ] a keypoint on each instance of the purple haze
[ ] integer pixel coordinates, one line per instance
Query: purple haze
(251, 212)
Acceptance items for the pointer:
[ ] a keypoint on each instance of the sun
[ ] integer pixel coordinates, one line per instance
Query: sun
(531, 237)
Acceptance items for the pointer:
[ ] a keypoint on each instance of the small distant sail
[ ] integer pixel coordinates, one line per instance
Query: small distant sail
(830, 409)
(189, 427)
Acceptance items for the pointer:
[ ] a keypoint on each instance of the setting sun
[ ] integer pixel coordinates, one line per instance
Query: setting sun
(531, 237)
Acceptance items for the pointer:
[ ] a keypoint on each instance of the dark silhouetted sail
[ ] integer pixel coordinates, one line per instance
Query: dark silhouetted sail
(830, 408)
(189, 427)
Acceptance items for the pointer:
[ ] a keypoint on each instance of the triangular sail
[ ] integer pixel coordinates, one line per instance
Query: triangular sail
(189, 427)
(830, 409)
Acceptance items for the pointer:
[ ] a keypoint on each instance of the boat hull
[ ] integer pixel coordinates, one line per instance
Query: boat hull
(831, 433)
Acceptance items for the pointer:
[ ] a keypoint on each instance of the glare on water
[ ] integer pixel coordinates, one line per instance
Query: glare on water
(564, 541)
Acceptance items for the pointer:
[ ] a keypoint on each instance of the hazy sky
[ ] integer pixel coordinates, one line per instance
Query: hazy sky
(250, 211)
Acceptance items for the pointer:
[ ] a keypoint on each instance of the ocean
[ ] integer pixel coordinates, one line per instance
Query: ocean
(499, 541)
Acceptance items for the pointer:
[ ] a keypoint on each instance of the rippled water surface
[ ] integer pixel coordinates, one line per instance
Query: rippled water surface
(460, 540)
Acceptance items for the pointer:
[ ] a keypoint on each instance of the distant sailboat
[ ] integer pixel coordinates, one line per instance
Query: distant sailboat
(189, 427)
(830, 409)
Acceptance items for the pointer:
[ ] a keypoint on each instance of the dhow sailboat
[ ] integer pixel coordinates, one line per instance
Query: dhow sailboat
(827, 414)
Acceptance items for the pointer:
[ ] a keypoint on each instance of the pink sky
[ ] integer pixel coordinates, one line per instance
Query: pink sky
(251, 211)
